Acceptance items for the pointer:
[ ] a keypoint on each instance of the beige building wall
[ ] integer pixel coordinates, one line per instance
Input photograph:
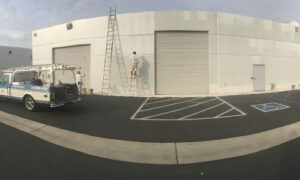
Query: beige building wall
(235, 44)
(244, 41)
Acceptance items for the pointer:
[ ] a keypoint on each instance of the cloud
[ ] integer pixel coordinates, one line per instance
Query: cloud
(11, 34)
(19, 17)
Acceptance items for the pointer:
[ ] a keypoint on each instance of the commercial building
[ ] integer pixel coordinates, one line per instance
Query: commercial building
(181, 52)
(14, 56)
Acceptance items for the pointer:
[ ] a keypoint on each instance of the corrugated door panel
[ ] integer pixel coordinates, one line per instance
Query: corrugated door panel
(75, 56)
(182, 63)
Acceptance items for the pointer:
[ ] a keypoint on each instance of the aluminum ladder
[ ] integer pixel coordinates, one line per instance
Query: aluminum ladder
(109, 50)
(132, 87)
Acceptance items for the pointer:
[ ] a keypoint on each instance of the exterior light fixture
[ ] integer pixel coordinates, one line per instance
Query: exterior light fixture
(69, 26)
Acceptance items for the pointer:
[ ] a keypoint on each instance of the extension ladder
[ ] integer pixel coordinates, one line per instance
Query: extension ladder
(109, 51)
(133, 83)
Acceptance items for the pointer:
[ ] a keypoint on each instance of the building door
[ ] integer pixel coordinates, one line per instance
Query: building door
(258, 77)
(78, 56)
(181, 62)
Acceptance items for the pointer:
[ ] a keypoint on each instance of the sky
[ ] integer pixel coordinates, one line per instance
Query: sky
(18, 18)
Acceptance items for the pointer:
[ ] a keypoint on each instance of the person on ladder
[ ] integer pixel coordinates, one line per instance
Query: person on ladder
(79, 82)
(134, 63)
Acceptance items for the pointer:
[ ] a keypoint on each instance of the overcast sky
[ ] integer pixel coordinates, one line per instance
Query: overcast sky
(19, 17)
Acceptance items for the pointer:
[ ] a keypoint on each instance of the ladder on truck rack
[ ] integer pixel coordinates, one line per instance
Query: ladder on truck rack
(109, 50)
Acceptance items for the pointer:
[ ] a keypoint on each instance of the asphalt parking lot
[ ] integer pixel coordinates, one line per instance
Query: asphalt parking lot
(113, 117)
(23, 156)
(154, 120)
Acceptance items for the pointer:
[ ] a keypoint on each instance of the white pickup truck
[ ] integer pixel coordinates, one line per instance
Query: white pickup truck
(52, 84)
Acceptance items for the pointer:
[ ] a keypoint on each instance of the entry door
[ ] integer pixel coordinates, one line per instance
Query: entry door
(258, 77)
(5, 84)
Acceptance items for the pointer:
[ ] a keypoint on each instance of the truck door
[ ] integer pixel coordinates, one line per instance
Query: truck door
(5, 84)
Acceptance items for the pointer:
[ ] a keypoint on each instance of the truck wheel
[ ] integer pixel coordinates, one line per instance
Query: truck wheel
(29, 103)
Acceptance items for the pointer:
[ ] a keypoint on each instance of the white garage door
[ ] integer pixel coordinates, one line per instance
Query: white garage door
(78, 56)
(182, 63)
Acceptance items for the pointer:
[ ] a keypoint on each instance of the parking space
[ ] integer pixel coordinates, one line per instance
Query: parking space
(292, 96)
(196, 108)
(269, 107)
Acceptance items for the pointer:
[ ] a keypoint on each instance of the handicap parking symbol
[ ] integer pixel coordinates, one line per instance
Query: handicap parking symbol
(268, 107)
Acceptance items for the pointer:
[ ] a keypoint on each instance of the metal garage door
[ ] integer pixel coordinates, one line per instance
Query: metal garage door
(181, 63)
(78, 56)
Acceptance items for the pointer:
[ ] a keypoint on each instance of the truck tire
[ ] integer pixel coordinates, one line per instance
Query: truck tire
(29, 103)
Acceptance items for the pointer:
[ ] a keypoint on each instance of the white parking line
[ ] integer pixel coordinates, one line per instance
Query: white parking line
(179, 109)
(157, 107)
(190, 119)
(243, 113)
(224, 112)
(139, 109)
(201, 111)
(192, 101)
(171, 99)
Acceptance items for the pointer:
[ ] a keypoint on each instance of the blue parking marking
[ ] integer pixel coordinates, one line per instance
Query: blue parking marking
(268, 107)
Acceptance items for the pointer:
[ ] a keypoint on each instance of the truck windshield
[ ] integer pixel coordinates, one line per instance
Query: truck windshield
(64, 77)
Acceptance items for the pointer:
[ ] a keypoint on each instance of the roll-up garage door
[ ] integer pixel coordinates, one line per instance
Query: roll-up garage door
(182, 63)
(78, 56)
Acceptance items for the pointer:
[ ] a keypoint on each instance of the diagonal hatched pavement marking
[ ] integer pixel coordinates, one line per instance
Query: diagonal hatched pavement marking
(154, 116)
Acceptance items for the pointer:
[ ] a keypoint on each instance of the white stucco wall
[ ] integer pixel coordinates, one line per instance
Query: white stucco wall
(244, 41)
(17, 57)
(235, 44)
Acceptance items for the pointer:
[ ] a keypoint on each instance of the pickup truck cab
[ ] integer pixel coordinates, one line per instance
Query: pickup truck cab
(53, 85)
